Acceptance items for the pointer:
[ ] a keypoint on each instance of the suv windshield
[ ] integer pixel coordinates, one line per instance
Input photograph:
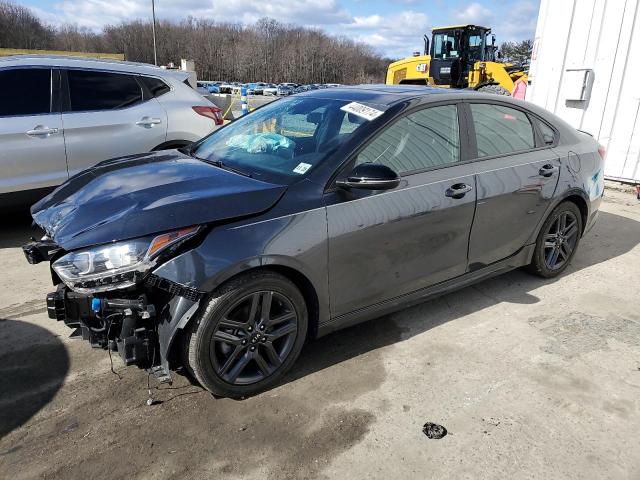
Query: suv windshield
(283, 140)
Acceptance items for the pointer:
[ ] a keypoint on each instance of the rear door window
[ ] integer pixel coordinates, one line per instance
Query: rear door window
(501, 130)
(91, 90)
(25, 91)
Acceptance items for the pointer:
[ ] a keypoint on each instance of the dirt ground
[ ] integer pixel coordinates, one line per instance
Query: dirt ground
(532, 379)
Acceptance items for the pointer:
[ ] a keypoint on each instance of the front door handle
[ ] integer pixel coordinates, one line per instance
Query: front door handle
(548, 170)
(41, 131)
(148, 122)
(458, 190)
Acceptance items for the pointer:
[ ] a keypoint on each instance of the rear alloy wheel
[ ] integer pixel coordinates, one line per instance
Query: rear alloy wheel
(557, 241)
(249, 335)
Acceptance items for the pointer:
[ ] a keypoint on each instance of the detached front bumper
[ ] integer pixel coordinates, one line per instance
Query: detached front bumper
(123, 325)
(140, 324)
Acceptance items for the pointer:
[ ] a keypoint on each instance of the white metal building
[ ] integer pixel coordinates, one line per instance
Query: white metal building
(585, 67)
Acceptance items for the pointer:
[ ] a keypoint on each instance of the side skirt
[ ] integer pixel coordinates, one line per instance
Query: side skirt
(519, 259)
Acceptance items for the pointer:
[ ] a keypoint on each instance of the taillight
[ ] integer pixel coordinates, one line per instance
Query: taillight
(213, 112)
(601, 151)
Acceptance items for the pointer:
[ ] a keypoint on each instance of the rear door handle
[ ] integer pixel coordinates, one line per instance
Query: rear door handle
(148, 121)
(458, 190)
(41, 131)
(548, 170)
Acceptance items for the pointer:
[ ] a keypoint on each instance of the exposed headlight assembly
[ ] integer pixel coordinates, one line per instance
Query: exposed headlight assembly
(117, 265)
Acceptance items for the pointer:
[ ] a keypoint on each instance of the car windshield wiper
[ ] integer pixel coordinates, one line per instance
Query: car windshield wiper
(221, 164)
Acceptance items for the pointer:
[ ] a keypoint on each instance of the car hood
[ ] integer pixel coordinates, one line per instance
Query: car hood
(140, 195)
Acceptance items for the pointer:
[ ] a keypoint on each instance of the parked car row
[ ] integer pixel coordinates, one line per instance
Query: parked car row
(61, 115)
(261, 88)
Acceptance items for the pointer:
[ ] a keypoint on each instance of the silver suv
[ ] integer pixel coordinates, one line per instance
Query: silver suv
(61, 115)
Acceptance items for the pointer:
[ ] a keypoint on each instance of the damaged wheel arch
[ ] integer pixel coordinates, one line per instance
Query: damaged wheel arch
(184, 311)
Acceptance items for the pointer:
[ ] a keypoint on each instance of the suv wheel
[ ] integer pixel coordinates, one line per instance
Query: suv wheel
(557, 241)
(248, 336)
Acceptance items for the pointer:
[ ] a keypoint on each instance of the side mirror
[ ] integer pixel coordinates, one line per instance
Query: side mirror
(371, 176)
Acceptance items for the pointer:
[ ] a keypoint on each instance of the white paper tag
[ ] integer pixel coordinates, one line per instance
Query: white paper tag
(361, 110)
(302, 168)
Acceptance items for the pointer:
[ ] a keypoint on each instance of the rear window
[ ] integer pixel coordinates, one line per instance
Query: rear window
(90, 91)
(25, 91)
(501, 130)
(156, 86)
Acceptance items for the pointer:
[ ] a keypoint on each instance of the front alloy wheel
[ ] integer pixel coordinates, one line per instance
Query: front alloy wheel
(248, 336)
(254, 337)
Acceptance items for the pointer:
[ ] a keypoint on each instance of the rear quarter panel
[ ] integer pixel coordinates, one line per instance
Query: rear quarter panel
(581, 174)
(183, 123)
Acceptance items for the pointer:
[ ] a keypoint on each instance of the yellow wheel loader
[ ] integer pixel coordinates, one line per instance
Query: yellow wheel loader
(460, 57)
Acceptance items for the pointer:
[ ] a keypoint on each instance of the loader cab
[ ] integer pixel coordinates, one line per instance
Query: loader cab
(454, 51)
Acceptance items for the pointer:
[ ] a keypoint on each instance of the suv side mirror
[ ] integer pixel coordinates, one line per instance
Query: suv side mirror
(371, 176)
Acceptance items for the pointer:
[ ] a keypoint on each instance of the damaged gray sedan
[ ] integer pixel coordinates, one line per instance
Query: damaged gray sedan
(313, 213)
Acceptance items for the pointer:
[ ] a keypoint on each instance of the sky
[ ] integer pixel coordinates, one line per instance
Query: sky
(393, 27)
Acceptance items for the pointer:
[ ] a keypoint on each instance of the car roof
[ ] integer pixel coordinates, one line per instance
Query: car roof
(390, 94)
(86, 62)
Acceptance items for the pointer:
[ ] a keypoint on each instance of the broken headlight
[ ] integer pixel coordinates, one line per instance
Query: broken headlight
(117, 265)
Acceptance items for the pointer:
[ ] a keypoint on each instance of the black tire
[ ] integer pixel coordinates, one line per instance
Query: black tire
(253, 343)
(495, 89)
(564, 245)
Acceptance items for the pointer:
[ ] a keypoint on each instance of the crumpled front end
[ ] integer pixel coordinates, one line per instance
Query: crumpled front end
(109, 228)
(134, 314)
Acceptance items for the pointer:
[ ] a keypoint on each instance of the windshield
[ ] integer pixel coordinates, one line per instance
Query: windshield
(446, 45)
(283, 140)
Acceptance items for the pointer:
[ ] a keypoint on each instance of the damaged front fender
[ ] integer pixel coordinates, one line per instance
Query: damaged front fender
(178, 312)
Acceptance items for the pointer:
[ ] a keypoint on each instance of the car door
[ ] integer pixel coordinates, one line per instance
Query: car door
(517, 175)
(383, 244)
(32, 154)
(107, 115)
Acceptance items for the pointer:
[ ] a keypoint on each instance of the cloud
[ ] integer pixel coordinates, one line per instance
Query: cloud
(97, 13)
(474, 14)
(513, 23)
(407, 2)
(519, 22)
(384, 34)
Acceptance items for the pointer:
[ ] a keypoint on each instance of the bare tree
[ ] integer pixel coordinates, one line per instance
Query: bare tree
(21, 28)
(265, 51)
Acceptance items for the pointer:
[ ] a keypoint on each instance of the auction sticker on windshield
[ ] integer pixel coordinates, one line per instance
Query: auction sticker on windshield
(302, 168)
(361, 110)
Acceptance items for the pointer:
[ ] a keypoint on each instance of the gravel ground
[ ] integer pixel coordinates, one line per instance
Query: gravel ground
(532, 379)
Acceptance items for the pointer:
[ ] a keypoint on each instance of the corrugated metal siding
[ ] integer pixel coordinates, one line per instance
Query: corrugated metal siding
(604, 36)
